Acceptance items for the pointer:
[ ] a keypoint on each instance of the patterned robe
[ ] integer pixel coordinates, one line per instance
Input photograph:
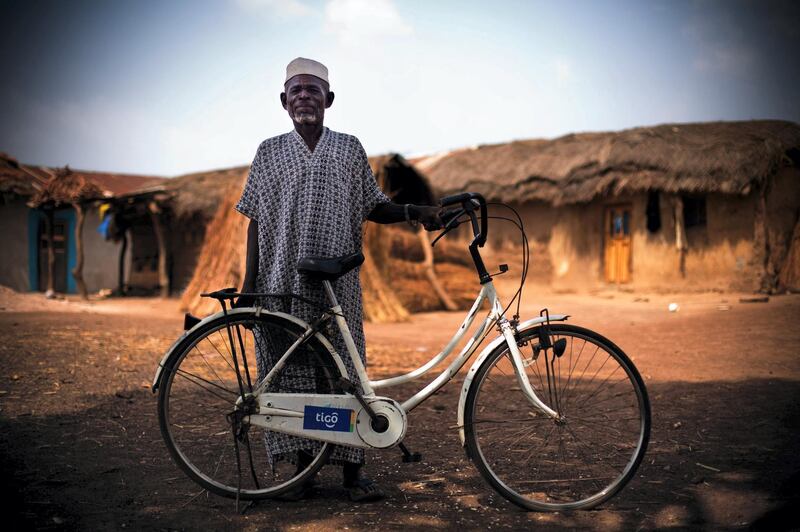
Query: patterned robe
(309, 204)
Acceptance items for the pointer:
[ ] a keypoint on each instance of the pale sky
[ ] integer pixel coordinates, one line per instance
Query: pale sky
(170, 87)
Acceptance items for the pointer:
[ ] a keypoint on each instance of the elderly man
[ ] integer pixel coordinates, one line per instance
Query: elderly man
(308, 193)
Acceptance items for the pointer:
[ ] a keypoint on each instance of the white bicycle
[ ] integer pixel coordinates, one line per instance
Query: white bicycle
(555, 417)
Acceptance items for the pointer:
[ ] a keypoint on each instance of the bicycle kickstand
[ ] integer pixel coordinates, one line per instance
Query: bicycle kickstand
(408, 456)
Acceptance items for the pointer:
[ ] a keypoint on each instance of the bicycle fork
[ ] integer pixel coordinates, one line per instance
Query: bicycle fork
(519, 368)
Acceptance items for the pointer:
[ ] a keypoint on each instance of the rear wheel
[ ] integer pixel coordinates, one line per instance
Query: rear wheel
(203, 419)
(578, 461)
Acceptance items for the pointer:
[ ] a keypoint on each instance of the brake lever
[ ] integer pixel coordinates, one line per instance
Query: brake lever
(449, 226)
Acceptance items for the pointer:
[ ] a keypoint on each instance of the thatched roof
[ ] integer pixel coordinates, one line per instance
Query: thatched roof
(727, 157)
(120, 184)
(65, 188)
(27, 180)
(202, 193)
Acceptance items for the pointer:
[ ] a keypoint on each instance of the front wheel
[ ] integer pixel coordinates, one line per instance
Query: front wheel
(589, 453)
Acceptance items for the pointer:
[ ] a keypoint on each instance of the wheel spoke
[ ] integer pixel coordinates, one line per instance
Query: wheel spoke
(196, 379)
(223, 357)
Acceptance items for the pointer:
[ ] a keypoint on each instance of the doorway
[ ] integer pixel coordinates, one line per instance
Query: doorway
(617, 233)
(60, 252)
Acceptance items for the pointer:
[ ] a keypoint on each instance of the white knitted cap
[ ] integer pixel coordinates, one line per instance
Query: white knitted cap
(301, 65)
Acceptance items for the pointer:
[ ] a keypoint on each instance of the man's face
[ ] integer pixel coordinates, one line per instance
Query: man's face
(306, 99)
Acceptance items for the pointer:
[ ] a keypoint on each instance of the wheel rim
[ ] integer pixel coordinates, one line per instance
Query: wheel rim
(198, 398)
(575, 463)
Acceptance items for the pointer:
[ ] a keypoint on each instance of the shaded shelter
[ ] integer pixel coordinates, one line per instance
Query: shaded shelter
(139, 222)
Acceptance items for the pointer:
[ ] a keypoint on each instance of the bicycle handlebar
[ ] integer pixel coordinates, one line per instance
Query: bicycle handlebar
(467, 201)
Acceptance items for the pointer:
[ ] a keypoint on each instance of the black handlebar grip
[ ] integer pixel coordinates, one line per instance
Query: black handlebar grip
(465, 200)
(456, 198)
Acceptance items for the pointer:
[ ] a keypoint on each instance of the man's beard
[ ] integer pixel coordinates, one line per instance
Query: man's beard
(306, 118)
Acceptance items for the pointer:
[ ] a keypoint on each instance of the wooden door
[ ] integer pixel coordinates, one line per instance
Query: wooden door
(618, 244)
(60, 248)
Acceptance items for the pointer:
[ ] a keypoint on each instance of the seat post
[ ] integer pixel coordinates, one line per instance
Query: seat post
(329, 291)
(352, 350)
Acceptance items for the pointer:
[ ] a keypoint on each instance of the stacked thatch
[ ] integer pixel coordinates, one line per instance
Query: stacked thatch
(221, 262)
(789, 276)
(728, 157)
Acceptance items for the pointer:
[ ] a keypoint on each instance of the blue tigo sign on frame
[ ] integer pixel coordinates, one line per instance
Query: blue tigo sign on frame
(329, 418)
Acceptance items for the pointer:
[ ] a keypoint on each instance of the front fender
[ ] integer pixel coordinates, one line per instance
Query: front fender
(233, 312)
(529, 324)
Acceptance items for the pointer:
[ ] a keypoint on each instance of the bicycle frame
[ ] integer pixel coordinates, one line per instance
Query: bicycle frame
(494, 317)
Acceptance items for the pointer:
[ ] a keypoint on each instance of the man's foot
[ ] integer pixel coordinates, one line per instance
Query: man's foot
(364, 490)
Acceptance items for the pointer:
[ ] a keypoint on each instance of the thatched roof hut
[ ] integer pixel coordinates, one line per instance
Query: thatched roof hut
(726, 157)
(709, 205)
(26, 180)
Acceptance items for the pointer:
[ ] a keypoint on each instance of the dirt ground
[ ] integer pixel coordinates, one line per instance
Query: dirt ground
(81, 448)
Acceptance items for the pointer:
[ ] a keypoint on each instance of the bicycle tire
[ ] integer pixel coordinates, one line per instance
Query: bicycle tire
(192, 409)
(601, 440)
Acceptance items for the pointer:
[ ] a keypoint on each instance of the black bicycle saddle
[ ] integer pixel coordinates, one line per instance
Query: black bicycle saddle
(329, 268)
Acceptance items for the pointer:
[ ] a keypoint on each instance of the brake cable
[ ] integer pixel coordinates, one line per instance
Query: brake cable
(455, 222)
(525, 254)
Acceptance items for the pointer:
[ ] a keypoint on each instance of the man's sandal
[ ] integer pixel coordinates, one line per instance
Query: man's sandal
(364, 490)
